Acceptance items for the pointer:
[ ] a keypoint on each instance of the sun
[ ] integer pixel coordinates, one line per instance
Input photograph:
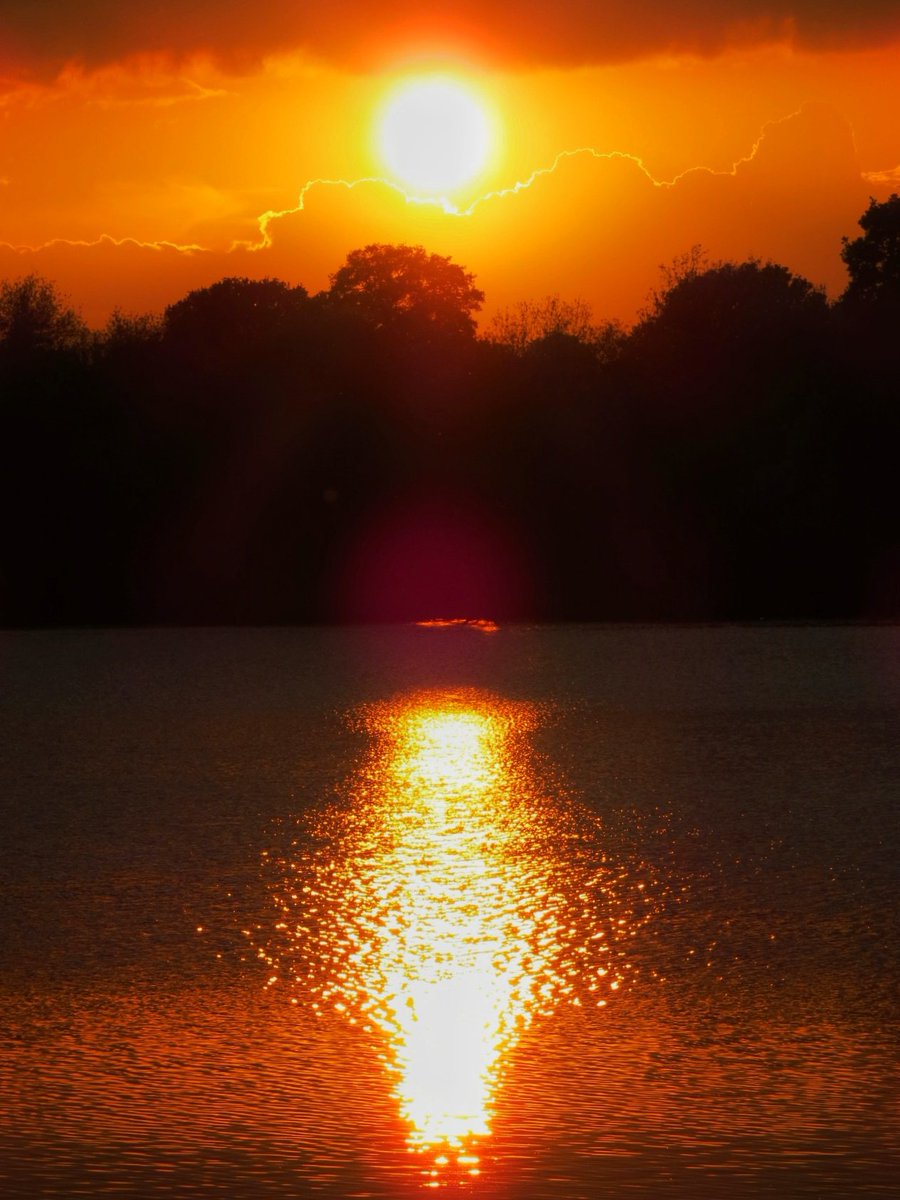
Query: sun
(434, 135)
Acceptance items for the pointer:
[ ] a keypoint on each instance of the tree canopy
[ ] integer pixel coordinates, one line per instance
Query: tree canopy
(715, 336)
(873, 260)
(233, 308)
(731, 300)
(523, 326)
(34, 319)
(405, 288)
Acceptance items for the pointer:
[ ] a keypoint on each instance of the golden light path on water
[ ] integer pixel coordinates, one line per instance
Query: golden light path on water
(446, 904)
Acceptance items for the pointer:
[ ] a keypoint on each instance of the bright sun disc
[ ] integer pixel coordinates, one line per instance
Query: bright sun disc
(434, 136)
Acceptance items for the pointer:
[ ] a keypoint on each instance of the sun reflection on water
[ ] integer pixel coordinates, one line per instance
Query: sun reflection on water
(447, 905)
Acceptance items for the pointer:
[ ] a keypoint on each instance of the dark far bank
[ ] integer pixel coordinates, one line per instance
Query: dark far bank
(261, 455)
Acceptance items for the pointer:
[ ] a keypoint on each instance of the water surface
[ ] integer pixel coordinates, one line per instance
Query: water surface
(535, 912)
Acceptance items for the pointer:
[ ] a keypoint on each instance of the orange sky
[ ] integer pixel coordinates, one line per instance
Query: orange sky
(142, 143)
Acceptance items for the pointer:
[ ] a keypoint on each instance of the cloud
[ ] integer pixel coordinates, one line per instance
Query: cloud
(598, 225)
(884, 180)
(98, 276)
(592, 225)
(42, 35)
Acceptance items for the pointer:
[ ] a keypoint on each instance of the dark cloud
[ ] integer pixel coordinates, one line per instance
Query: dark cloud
(41, 35)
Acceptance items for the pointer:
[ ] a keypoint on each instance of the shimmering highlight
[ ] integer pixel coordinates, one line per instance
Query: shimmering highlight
(448, 906)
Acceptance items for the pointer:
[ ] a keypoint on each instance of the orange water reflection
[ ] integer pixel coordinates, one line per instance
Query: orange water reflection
(449, 902)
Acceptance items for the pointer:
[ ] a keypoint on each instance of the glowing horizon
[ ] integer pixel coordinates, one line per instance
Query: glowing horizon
(596, 173)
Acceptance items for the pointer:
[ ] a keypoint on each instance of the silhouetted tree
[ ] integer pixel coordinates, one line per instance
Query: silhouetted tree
(531, 321)
(405, 288)
(869, 325)
(682, 268)
(234, 317)
(126, 330)
(733, 370)
(730, 302)
(873, 260)
(34, 318)
(720, 333)
(127, 360)
(64, 465)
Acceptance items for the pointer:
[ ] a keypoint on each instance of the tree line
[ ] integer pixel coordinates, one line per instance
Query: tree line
(260, 454)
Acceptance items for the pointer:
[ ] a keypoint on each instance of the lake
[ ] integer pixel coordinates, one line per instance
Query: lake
(529, 912)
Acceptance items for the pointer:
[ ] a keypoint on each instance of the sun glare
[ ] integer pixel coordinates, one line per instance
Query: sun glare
(444, 909)
(434, 135)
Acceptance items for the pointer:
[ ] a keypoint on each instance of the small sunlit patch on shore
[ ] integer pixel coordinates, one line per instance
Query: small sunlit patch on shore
(480, 623)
